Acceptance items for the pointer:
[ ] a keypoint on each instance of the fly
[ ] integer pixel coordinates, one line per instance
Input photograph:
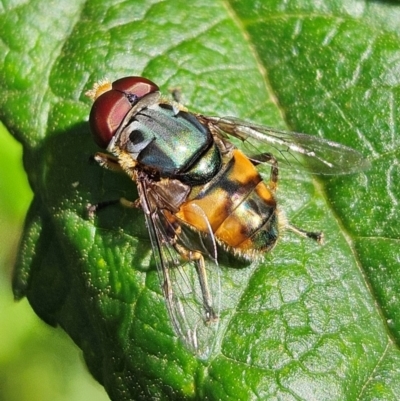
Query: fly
(200, 194)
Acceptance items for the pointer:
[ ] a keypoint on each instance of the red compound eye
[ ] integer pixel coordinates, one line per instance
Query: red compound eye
(136, 86)
(111, 107)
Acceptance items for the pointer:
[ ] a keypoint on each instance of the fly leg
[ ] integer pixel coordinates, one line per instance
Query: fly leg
(270, 159)
(316, 236)
(273, 181)
(205, 290)
(202, 275)
(93, 209)
(107, 161)
(110, 163)
(167, 286)
(176, 94)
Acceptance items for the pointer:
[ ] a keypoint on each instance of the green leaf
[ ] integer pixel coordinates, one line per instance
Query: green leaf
(311, 323)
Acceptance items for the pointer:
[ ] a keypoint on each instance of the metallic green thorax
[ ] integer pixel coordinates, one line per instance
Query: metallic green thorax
(173, 143)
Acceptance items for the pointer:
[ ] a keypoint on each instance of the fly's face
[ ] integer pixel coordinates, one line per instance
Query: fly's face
(199, 193)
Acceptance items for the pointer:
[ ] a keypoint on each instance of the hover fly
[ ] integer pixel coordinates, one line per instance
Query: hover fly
(200, 194)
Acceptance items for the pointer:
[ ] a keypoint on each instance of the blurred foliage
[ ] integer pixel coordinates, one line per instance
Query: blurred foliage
(36, 361)
(309, 323)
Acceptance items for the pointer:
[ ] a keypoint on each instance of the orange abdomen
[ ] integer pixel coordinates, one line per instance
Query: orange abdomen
(240, 208)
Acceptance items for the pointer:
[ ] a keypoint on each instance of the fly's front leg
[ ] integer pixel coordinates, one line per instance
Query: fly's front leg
(176, 103)
(93, 209)
(107, 161)
(110, 163)
(176, 94)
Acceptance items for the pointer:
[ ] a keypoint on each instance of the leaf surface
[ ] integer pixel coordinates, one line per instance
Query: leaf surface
(310, 323)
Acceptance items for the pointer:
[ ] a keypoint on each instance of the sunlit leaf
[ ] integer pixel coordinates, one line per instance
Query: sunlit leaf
(311, 323)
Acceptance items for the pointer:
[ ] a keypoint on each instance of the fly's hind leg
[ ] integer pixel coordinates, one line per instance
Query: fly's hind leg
(316, 236)
(273, 182)
(271, 160)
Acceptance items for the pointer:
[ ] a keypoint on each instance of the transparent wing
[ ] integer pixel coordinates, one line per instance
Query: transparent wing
(182, 278)
(299, 151)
